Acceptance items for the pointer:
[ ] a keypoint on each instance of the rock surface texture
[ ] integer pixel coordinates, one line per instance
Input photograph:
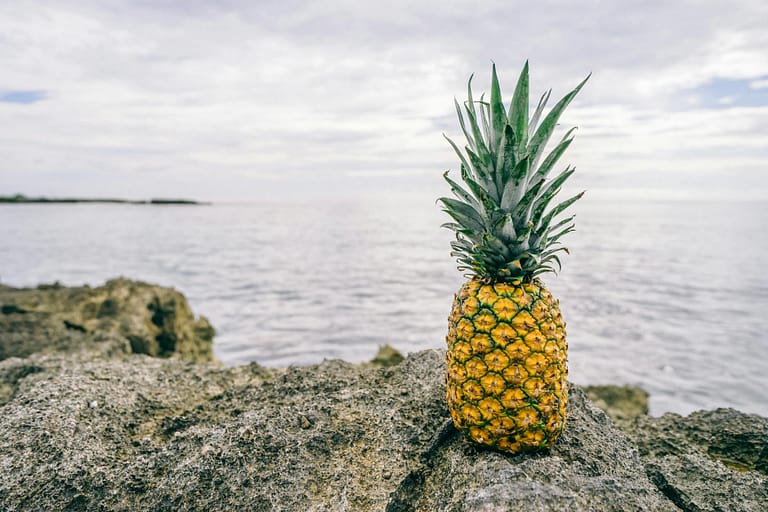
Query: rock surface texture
(97, 429)
(153, 434)
(621, 403)
(122, 316)
(709, 460)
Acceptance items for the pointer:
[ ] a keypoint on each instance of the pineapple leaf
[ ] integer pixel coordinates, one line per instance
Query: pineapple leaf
(470, 105)
(520, 172)
(524, 234)
(514, 188)
(480, 148)
(546, 238)
(485, 113)
(543, 269)
(479, 143)
(557, 236)
(554, 155)
(460, 115)
(458, 152)
(518, 110)
(539, 109)
(548, 192)
(459, 192)
(551, 252)
(563, 222)
(462, 245)
(543, 231)
(557, 182)
(463, 249)
(505, 228)
(460, 230)
(497, 111)
(512, 269)
(474, 186)
(452, 226)
(483, 172)
(505, 161)
(463, 213)
(544, 131)
(555, 258)
(559, 209)
(502, 216)
(484, 258)
(523, 207)
(531, 259)
(498, 249)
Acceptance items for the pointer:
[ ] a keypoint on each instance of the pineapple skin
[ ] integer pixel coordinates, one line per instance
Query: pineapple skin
(507, 372)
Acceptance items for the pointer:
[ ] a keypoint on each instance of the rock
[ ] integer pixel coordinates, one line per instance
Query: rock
(121, 316)
(169, 435)
(89, 423)
(621, 403)
(707, 461)
(591, 467)
(387, 356)
(710, 460)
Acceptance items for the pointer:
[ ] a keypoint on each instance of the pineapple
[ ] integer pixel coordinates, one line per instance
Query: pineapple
(507, 367)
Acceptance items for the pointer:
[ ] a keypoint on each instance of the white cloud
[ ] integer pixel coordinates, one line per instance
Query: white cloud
(225, 95)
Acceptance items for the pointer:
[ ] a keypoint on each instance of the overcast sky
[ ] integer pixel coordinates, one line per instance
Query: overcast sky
(246, 99)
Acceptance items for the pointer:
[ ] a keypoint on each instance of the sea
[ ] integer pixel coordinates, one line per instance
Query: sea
(669, 295)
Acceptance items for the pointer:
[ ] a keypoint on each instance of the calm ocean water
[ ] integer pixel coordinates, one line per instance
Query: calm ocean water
(671, 296)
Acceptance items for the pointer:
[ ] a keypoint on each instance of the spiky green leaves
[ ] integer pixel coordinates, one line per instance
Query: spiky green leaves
(505, 228)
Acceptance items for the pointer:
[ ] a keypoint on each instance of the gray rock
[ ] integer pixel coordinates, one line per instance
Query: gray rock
(621, 403)
(387, 356)
(169, 435)
(85, 424)
(122, 316)
(708, 461)
(591, 467)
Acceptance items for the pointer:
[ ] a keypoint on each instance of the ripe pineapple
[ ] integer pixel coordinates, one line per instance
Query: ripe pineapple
(507, 369)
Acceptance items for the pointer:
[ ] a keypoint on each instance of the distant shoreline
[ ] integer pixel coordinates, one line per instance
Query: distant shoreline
(18, 198)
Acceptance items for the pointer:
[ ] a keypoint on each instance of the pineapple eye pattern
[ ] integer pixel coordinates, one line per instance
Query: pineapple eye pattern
(504, 383)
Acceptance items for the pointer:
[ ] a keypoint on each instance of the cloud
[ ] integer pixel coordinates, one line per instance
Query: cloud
(226, 96)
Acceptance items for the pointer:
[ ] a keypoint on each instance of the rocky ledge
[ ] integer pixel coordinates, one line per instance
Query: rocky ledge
(120, 317)
(88, 422)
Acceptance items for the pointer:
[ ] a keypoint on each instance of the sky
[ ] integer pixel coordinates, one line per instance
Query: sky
(239, 100)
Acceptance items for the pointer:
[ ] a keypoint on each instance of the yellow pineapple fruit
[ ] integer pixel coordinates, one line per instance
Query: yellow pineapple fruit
(507, 351)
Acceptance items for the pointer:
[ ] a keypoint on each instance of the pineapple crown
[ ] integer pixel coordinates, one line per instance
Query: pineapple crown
(505, 230)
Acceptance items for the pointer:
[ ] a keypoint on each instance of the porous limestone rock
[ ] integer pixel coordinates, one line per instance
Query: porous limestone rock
(143, 433)
(87, 424)
(707, 461)
(621, 403)
(122, 316)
